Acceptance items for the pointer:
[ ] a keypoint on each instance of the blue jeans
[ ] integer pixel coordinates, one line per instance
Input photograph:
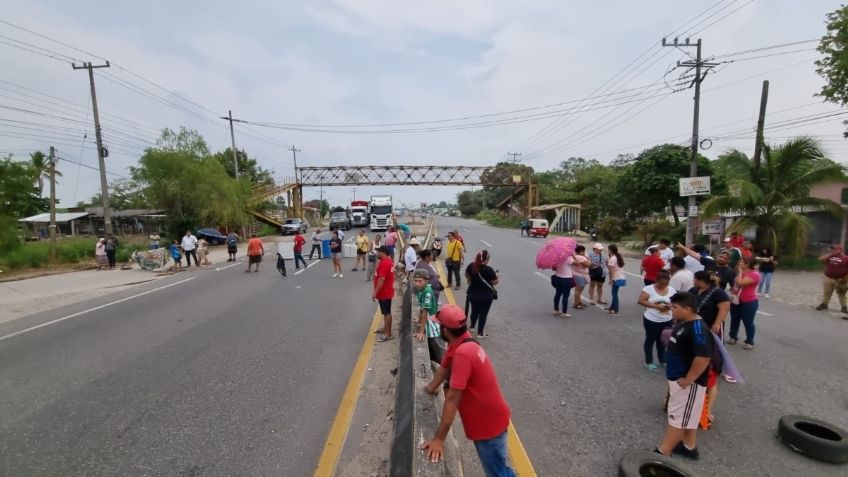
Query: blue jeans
(765, 282)
(614, 303)
(298, 258)
(563, 288)
(744, 313)
(492, 453)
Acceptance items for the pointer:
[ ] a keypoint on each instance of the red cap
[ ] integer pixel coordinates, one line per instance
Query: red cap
(450, 316)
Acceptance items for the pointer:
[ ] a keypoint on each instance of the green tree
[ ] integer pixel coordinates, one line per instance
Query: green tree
(124, 194)
(773, 196)
(833, 66)
(652, 182)
(19, 196)
(181, 178)
(247, 166)
(470, 203)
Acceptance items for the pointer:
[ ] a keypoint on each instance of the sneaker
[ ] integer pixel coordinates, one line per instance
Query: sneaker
(748, 346)
(341, 276)
(564, 315)
(730, 379)
(652, 367)
(766, 295)
(471, 329)
(681, 449)
(732, 341)
(354, 270)
(456, 287)
(482, 335)
(335, 275)
(844, 309)
(821, 307)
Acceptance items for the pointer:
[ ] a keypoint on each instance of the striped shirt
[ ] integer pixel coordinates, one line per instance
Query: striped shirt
(427, 302)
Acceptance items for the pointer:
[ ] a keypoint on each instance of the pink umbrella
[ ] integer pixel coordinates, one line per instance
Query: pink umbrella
(555, 251)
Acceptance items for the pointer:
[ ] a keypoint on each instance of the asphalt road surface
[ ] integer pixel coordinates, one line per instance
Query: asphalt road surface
(220, 373)
(581, 397)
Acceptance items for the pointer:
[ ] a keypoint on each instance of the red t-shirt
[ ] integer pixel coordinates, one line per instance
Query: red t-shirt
(254, 246)
(652, 265)
(385, 268)
(837, 267)
(298, 243)
(737, 241)
(482, 408)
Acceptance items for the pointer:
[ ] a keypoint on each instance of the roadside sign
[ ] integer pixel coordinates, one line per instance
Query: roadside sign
(711, 227)
(694, 186)
(693, 211)
(516, 179)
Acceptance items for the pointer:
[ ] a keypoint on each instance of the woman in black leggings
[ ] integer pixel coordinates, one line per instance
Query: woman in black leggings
(481, 291)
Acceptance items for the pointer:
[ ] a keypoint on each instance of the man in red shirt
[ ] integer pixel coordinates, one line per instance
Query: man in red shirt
(255, 250)
(298, 250)
(835, 277)
(736, 240)
(474, 392)
(651, 265)
(384, 291)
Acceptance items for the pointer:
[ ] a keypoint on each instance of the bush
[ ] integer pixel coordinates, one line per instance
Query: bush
(612, 228)
(68, 251)
(495, 219)
(266, 230)
(10, 236)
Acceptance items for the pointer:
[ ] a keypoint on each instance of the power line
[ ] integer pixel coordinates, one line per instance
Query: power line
(764, 48)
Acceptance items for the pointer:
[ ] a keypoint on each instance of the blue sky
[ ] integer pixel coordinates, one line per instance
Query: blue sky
(368, 61)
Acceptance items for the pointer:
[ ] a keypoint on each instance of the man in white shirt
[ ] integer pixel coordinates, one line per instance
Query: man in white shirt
(681, 278)
(666, 253)
(410, 257)
(189, 246)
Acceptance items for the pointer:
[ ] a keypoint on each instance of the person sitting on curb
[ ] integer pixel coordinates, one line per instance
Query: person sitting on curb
(473, 391)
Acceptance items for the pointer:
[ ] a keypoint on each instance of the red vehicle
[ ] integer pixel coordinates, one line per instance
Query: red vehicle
(538, 228)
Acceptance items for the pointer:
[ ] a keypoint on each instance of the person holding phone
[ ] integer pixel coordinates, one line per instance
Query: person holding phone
(656, 299)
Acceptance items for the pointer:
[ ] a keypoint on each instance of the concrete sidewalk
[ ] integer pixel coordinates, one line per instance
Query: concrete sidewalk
(25, 297)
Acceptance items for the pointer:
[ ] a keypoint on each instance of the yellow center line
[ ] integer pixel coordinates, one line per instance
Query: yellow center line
(341, 424)
(517, 454)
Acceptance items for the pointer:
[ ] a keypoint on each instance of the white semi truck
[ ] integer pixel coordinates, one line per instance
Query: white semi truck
(381, 212)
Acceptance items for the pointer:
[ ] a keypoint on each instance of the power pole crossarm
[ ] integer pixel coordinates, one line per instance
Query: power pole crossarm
(101, 151)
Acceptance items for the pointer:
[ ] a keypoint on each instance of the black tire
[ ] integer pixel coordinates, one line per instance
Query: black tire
(645, 463)
(814, 438)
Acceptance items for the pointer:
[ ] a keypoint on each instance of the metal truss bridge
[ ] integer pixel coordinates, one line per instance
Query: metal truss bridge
(405, 175)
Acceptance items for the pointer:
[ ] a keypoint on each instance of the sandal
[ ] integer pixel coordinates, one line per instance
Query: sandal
(602, 302)
(384, 338)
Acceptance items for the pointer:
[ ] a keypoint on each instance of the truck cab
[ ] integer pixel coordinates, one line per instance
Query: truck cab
(381, 212)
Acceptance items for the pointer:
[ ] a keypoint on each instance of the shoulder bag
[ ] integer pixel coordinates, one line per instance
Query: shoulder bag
(489, 285)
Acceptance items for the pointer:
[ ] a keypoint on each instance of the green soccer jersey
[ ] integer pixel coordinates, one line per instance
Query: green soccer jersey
(427, 301)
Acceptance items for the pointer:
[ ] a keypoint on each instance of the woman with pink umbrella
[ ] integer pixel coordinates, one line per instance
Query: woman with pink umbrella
(558, 255)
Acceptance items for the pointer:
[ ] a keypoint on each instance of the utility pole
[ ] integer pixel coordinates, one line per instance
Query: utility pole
(102, 153)
(515, 159)
(699, 64)
(294, 151)
(354, 193)
(758, 147)
(298, 191)
(53, 196)
(229, 117)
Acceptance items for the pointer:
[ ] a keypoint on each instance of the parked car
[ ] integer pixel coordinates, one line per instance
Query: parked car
(341, 220)
(213, 236)
(293, 225)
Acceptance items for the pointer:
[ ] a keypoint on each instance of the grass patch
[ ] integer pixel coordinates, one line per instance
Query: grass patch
(266, 230)
(68, 251)
(495, 219)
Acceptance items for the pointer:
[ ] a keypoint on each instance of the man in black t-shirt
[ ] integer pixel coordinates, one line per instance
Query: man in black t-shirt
(713, 306)
(687, 360)
(725, 272)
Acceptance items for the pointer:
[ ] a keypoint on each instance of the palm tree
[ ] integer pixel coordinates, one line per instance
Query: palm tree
(42, 166)
(774, 196)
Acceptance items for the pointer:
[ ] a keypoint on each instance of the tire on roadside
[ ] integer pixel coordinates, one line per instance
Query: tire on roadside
(645, 463)
(814, 438)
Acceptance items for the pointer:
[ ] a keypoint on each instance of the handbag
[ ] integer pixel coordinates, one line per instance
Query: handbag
(621, 282)
(494, 292)
(596, 273)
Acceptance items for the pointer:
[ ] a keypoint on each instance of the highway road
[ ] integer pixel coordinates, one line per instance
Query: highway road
(206, 373)
(219, 372)
(581, 397)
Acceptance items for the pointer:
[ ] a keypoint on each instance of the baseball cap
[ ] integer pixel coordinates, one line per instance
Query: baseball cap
(450, 316)
(597, 246)
(421, 273)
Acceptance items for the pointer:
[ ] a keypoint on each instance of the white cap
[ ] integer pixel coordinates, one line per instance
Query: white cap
(597, 245)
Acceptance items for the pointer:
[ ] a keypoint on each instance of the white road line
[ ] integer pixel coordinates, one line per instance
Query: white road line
(764, 313)
(100, 307)
(307, 268)
(632, 274)
(229, 266)
(487, 243)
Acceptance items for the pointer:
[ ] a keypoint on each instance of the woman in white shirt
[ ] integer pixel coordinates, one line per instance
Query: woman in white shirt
(656, 299)
(563, 282)
(615, 267)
